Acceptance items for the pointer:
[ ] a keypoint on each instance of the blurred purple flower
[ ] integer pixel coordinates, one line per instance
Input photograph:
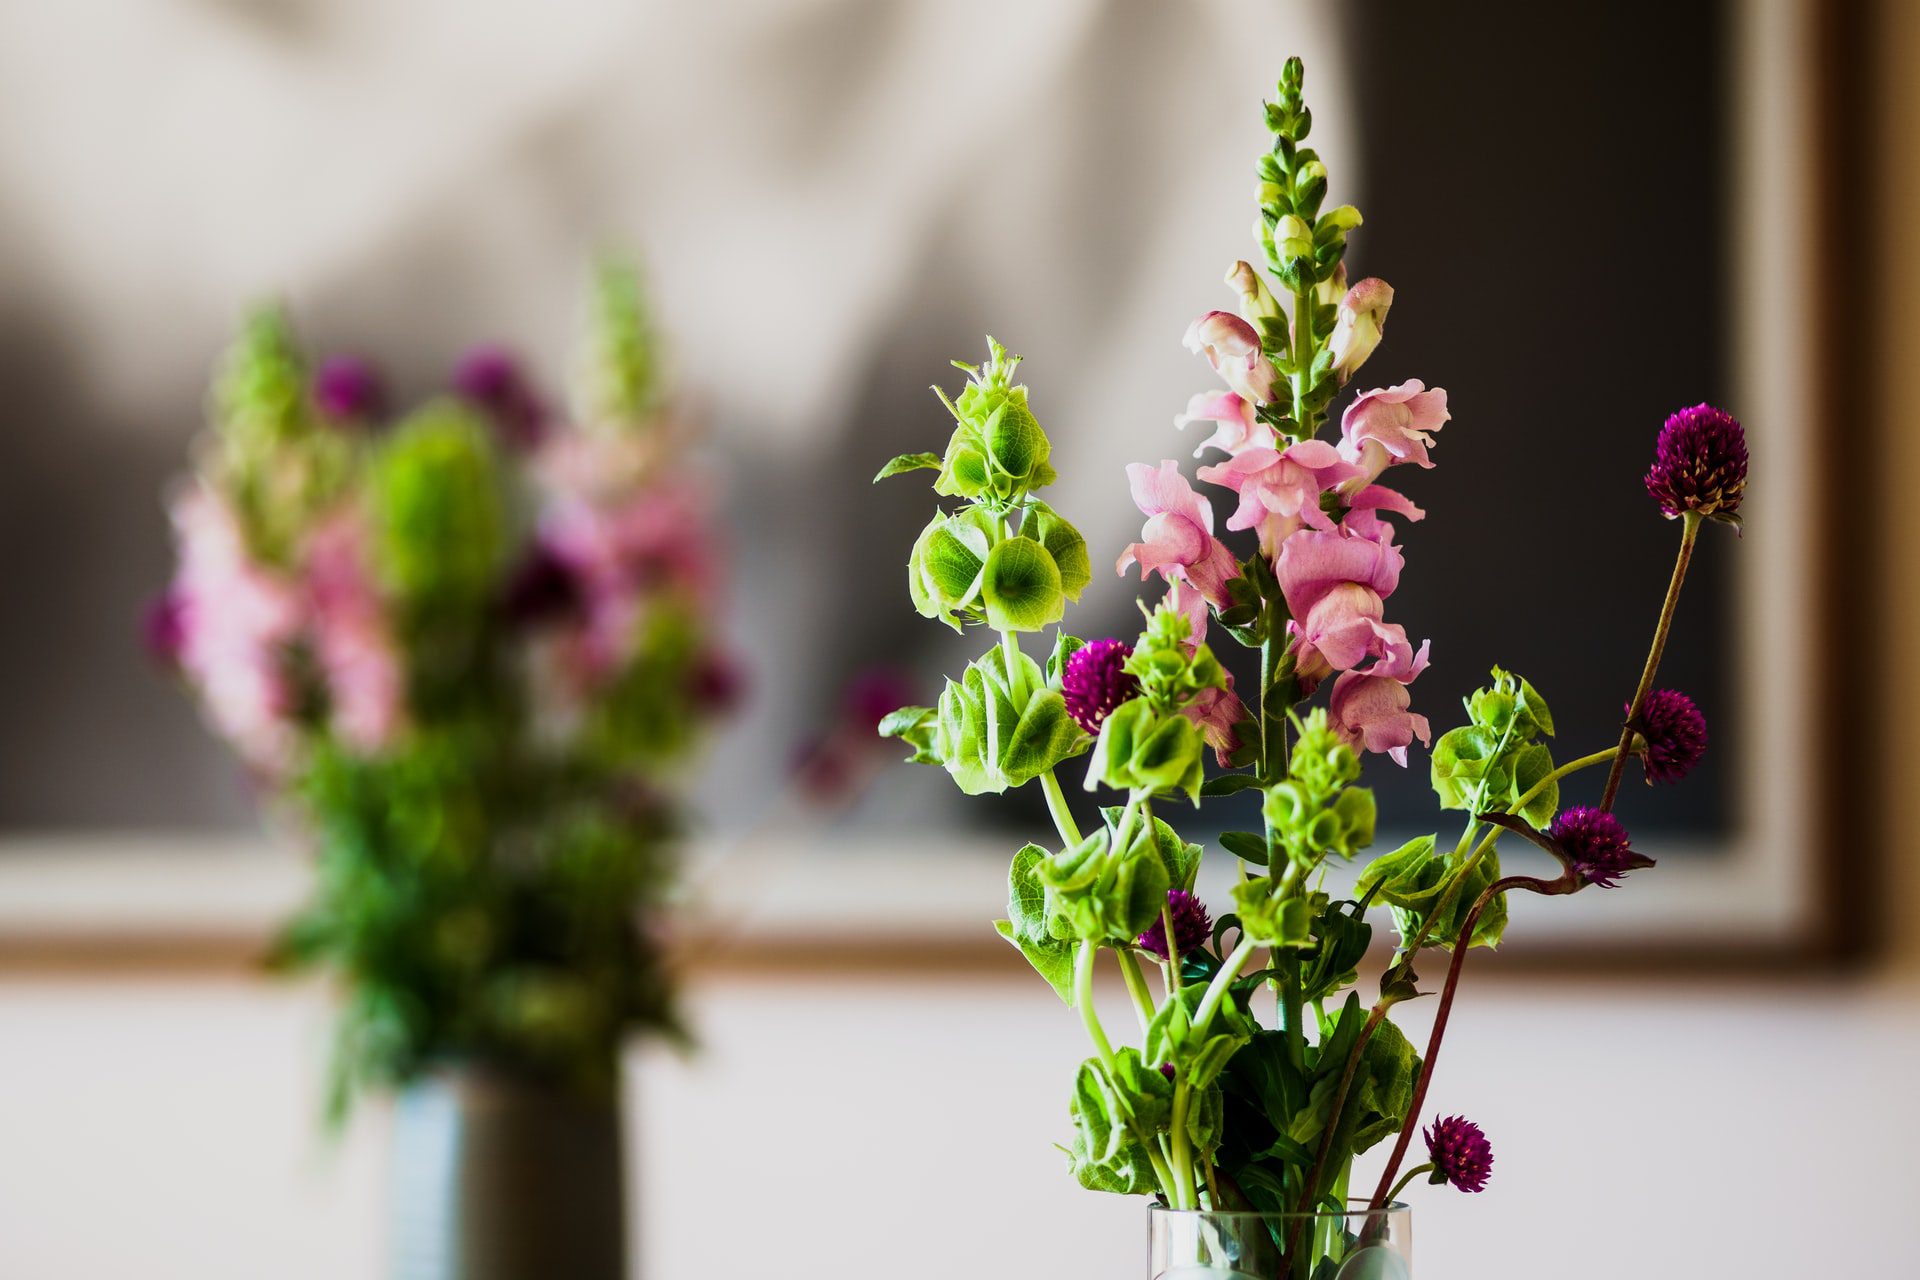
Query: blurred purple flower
(543, 588)
(717, 683)
(493, 380)
(1460, 1153)
(1675, 734)
(348, 389)
(163, 628)
(874, 694)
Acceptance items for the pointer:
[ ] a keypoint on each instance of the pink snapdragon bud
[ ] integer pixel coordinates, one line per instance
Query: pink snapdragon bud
(1218, 714)
(1280, 491)
(1358, 325)
(1177, 540)
(1235, 426)
(1390, 425)
(1232, 347)
(1368, 708)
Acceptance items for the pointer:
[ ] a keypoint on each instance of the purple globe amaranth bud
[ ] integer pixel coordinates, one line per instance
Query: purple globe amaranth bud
(1595, 846)
(348, 390)
(1700, 465)
(1460, 1153)
(1096, 681)
(1191, 926)
(1673, 735)
(493, 380)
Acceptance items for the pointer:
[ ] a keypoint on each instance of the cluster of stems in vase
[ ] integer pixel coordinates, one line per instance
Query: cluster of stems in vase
(1217, 1108)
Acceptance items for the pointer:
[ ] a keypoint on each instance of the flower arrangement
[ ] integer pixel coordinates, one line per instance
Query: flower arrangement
(1217, 1108)
(465, 650)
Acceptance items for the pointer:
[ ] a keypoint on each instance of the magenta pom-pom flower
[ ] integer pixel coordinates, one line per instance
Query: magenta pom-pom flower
(1191, 925)
(493, 380)
(348, 389)
(1700, 464)
(1096, 680)
(1596, 847)
(1675, 734)
(1460, 1153)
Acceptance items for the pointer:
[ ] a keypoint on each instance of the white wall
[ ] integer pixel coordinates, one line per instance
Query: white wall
(898, 1128)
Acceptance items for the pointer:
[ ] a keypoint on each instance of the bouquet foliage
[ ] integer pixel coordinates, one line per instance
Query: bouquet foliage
(464, 649)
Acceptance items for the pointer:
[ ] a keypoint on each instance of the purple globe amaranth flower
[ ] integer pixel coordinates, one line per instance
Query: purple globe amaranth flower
(1700, 465)
(1460, 1153)
(544, 588)
(348, 389)
(163, 628)
(874, 694)
(1595, 846)
(1096, 681)
(1191, 925)
(1675, 734)
(492, 379)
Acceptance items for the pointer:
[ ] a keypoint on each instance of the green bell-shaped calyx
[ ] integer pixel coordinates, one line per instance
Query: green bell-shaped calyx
(1094, 894)
(1315, 812)
(998, 450)
(994, 728)
(1143, 748)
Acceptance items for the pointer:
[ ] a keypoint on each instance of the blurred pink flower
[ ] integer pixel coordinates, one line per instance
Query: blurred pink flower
(1177, 541)
(1218, 713)
(1280, 491)
(1232, 347)
(233, 621)
(1369, 708)
(1390, 425)
(1358, 324)
(1235, 427)
(359, 659)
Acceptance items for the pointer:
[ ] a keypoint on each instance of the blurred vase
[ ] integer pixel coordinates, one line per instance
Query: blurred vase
(1354, 1245)
(495, 1176)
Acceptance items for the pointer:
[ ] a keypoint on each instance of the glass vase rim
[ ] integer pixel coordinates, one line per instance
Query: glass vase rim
(1359, 1208)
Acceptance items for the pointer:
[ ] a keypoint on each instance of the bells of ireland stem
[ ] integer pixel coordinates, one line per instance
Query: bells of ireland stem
(997, 450)
(996, 727)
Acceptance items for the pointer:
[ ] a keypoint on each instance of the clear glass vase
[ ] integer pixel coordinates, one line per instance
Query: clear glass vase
(1357, 1244)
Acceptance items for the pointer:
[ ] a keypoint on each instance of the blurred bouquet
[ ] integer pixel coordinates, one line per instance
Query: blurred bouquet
(464, 650)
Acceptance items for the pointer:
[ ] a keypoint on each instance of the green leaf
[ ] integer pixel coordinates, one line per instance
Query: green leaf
(1026, 927)
(1021, 586)
(908, 462)
(1533, 765)
(1227, 784)
(1246, 846)
(916, 726)
(1463, 760)
(1111, 1111)
(1403, 878)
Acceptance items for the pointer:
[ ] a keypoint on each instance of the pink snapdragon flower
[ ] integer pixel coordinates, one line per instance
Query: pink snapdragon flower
(1358, 325)
(1313, 562)
(361, 663)
(1177, 541)
(1235, 426)
(1280, 490)
(1368, 708)
(234, 620)
(1218, 713)
(1365, 508)
(1232, 347)
(1342, 631)
(1390, 425)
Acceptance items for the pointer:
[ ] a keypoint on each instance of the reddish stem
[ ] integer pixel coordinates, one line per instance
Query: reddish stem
(1461, 945)
(1688, 534)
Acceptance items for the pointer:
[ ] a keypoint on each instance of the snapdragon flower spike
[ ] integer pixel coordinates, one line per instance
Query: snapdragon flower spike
(1700, 465)
(1460, 1153)
(1673, 735)
(1191, 926)
(1595, 846)
(1096, 680)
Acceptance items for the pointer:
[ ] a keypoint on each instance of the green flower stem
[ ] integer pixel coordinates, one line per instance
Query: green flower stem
(1467, 868)
(1136, 986)
(1183, 1148)
(1083, 999)
(1405, 1178)
(1310, 1192)
(1123, 830)
(1689, 533)
(1217, 989)
(1567, 883)
(1016, 678)
(1057, 806)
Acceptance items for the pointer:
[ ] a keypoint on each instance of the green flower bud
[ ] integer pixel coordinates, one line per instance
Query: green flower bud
(998, 449)
(438, 512)
(1270, 919)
